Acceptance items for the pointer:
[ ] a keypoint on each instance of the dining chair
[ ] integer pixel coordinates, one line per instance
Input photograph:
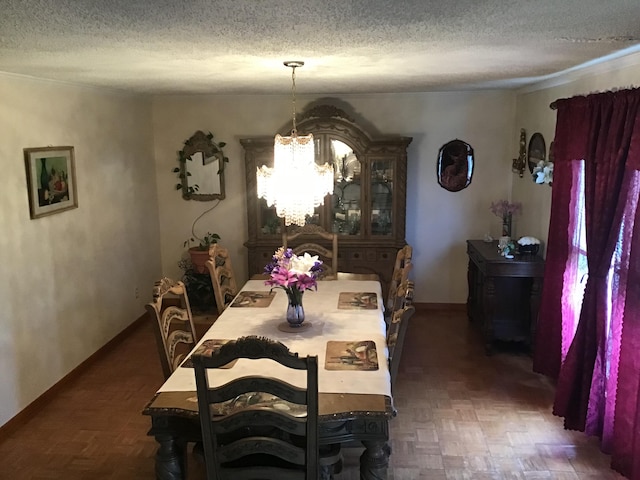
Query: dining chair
(400, 273)
(257, 426)
(174, 328)
(358, 276)
(395, 338)
(307, 239)
(222, 276)
(397, 292)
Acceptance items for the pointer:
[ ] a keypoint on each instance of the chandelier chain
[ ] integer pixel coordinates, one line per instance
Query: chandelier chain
(294, 132)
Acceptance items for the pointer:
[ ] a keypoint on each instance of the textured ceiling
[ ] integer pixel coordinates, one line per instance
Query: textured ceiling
(349, 46)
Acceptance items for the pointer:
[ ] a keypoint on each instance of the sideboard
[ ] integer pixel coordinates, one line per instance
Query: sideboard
(504, 294)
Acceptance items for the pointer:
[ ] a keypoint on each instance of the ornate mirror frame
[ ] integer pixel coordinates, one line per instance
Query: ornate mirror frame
(211, 151)
(455, 165)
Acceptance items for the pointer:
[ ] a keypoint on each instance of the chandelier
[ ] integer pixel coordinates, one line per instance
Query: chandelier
(296, 184)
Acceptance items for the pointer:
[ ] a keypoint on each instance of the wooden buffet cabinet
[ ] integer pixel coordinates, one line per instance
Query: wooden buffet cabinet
(504, 294)
(367, 208)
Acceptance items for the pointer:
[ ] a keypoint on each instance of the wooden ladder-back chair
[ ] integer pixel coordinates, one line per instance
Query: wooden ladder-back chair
(307, 239)
(397, 298)
(400, 273)
(256, 426)
(398, 329)
(175, 332)
(222, 276)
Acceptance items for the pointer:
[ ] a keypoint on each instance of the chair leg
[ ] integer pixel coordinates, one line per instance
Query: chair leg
(330, 461)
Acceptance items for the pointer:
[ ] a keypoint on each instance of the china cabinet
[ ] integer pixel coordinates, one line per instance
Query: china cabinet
(367, 207)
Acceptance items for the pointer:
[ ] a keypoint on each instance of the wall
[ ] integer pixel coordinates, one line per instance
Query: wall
(67, 282)
(533, 114)
(438, 221)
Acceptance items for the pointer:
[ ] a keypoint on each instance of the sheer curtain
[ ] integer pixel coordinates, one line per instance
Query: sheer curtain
(597, 361)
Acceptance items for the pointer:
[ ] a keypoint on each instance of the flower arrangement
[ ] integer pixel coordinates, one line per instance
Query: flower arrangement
(293, 273)
(502, 208)
(505, 210)
(543, 173)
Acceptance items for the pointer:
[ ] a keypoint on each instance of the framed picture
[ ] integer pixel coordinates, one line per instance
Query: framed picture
(51, 180)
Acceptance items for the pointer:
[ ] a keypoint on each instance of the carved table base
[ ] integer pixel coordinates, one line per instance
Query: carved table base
(374, 460)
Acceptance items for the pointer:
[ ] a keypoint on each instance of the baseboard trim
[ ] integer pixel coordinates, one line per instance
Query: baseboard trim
(32, 409)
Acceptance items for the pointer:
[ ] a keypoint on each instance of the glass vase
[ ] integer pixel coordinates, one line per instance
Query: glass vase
(295, 311)
(506, 225)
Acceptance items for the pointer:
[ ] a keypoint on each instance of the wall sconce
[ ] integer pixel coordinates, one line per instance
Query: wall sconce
(519, 164)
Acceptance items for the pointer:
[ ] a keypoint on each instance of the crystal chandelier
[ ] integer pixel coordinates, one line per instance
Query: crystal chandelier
(296, 184)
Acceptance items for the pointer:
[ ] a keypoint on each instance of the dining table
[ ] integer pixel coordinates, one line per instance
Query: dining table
(344, 326)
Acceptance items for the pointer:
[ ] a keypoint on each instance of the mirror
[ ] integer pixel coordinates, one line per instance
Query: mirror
(201, 170)
(346, 202)
(537, 151)
(455, 165)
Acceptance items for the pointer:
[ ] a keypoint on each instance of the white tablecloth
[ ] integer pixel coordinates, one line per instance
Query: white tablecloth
(328, 323)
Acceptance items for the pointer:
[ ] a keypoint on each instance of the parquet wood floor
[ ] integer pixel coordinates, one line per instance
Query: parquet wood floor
(461, 415)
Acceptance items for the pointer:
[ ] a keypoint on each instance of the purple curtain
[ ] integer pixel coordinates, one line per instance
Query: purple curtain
(548, 341)
(604, 131)
(623, 437)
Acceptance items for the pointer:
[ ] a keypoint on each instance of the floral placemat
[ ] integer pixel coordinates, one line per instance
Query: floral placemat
(207, 347)
(253, 299)
(358, 300)
(360, 355)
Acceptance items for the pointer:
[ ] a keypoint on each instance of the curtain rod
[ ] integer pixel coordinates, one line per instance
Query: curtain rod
(553, 105)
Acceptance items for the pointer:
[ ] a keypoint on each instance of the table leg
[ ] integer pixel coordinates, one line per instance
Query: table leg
(374, 460)
(169, 458)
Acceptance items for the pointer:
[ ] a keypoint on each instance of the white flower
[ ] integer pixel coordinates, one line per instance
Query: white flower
(302, 264)
(543, 172)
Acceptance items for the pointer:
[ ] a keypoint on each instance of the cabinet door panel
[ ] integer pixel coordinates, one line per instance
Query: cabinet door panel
(381, 188)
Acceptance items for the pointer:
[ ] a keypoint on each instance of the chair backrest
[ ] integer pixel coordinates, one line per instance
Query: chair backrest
(397, 289)
(307, 239)
(401, 271)
(257, 426)
(395, 337)
(222, 276)
(175, 332)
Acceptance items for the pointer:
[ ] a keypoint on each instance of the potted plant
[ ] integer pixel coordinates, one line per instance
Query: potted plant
(200, 253)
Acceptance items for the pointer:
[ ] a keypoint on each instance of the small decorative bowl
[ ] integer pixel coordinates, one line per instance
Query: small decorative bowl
(531, 249)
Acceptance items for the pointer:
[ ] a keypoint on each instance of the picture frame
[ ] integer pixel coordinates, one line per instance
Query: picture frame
(51, 180)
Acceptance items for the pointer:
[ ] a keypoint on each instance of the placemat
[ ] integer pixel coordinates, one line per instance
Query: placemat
(253, 299)
(358, 300)
(207, 347)
(361, 355)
